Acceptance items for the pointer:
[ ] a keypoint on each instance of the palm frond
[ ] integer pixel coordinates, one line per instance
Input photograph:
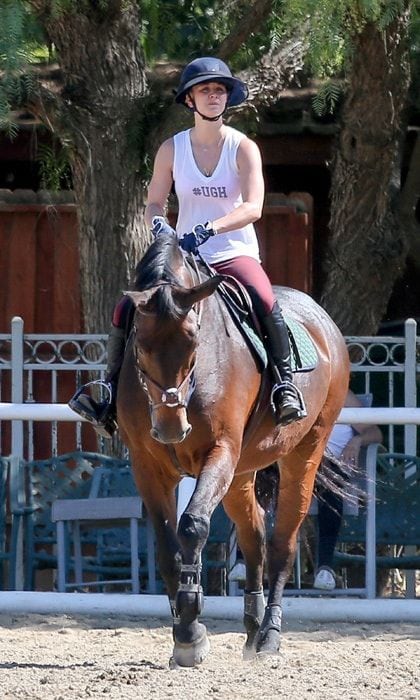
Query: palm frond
(327, 98)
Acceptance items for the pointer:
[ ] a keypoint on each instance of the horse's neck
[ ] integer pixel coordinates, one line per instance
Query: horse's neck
(216, 328)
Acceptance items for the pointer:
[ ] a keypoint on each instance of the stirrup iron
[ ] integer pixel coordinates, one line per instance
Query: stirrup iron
(98, 414)
(282, 387)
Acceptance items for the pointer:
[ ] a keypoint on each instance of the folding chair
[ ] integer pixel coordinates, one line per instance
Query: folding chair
(120, 533)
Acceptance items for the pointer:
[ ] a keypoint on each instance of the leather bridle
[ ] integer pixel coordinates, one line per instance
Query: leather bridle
(175, 396)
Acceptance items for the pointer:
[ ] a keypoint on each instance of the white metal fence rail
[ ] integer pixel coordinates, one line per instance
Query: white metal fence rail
(387, 366)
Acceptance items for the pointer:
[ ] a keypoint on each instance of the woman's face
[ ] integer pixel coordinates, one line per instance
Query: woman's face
(209, 98)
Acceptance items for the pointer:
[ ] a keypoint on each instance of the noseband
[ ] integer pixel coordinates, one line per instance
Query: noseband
(172, 397)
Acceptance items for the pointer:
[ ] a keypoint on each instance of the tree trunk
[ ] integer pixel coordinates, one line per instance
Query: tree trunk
(104, 78)
(368, 244)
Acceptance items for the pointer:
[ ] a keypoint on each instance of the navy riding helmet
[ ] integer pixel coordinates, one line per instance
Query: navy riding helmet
(209, 69)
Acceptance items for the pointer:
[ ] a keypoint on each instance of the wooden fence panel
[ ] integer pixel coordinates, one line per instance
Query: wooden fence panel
(44, 302)
(39, 269)
(67, 305)
(39, 266)
(285, 236)
(22, 266)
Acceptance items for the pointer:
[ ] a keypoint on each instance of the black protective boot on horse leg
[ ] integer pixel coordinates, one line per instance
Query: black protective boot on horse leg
(102, 414)
(254, 611)
(191, 644)
(286, 399)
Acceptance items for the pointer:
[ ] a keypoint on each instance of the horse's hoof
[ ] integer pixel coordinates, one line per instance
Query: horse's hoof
(249, 652)
(193, 654)
(269, 635)
(254, 612)
(249, 649)
(269, 645)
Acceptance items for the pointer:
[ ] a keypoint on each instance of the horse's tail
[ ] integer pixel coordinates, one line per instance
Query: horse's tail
(266, 487)
(333, 475)
(340, 478)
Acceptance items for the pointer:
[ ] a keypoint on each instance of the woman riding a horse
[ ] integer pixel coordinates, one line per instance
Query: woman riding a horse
(192, 399)
(217, 173)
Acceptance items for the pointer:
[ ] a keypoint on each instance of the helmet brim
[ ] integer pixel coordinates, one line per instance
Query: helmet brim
(238, 91)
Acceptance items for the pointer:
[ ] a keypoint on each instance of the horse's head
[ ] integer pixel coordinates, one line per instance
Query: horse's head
(167, 322)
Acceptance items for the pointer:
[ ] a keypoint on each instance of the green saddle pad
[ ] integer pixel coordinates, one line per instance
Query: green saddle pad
(304, 354)
(255, 343)
(303, 351)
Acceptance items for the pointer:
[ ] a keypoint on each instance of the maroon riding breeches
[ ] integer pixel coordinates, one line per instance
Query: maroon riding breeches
(252, 275)
(123, 312)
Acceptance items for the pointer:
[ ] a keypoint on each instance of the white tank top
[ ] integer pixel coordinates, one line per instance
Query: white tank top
(202, 198)
(341, 434)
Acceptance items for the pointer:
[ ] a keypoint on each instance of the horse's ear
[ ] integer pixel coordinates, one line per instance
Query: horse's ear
(140, 298)
(186, 298)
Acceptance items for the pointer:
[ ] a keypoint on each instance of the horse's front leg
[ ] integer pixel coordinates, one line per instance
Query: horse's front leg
(158, 493)
(296, 486)
(191, 644)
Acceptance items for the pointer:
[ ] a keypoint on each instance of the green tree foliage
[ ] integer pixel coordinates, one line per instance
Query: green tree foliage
(19, 42)
(183, 29)
(178, 30)
(330, 27)
(171, 31)
(54, 168)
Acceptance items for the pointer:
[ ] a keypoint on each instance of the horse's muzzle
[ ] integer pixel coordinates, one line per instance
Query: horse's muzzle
(160, 436)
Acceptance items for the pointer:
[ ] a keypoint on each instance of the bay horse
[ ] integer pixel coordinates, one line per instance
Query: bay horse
(188, 391)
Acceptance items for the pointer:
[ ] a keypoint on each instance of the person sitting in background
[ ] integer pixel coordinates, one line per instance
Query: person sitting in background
(344, 443)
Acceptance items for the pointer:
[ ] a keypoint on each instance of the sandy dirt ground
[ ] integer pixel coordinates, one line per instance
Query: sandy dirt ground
(69, 657)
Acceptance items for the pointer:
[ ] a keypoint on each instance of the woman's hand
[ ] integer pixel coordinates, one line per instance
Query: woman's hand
(160, 227)
(199, 235)
(350, 454)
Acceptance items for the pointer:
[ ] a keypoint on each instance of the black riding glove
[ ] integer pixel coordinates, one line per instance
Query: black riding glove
(199, 235)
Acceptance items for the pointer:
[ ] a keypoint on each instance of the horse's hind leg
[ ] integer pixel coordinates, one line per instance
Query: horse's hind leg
(298, 471)
(242, 507)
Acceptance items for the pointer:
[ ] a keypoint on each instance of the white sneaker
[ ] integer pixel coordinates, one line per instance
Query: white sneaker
(325, 579)
(238, 572)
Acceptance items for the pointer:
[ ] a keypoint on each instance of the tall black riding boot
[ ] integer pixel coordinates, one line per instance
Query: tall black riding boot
(102, 414)
(286, 399)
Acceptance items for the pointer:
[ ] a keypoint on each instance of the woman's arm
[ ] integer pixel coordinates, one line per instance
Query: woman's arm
(161, 182)
(252, 189)
(365, 433)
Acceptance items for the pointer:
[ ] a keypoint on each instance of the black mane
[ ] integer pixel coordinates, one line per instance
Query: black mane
(159, 264)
